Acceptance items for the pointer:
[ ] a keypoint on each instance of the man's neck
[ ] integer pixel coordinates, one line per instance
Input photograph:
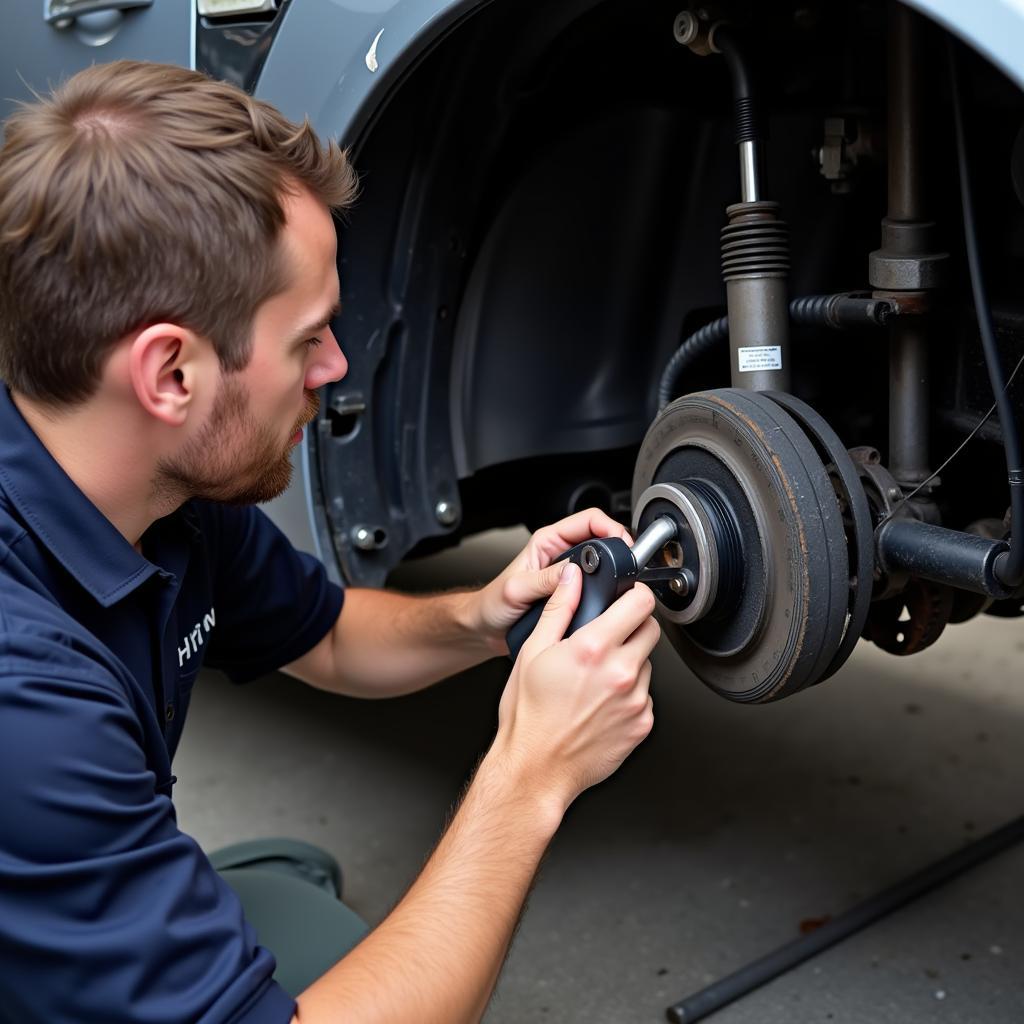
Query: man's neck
(108, 460)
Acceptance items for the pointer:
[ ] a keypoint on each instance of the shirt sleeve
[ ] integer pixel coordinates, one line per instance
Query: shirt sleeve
(108, 912)
(272, 603)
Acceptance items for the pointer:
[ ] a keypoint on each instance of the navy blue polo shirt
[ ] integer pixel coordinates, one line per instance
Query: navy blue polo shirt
(108, 912)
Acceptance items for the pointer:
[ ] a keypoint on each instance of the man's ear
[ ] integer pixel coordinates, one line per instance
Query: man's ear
(165, 363)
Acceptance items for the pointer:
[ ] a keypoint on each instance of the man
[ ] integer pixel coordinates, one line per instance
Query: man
(167, 280)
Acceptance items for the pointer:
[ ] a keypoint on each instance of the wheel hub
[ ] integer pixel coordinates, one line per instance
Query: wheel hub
(776, 531)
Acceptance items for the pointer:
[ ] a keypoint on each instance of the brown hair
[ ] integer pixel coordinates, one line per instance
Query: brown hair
(139, 193)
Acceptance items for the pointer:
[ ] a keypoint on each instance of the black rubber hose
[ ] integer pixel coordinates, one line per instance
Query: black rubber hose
(749, 126)
(696, 344)
(837, 311)
(1009, 567)
(811, 309)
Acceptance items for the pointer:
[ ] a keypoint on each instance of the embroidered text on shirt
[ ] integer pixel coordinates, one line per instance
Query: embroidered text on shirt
(194, 640)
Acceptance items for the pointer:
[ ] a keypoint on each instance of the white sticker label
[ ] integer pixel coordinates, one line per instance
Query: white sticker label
(760, 357)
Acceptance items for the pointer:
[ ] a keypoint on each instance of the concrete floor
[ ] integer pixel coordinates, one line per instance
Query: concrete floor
(728, 828)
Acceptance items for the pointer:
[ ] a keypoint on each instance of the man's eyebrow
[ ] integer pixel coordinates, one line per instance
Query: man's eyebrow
(310, 330)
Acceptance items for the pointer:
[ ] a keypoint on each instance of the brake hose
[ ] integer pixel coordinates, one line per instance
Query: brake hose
(839, 311)
(1009, 566)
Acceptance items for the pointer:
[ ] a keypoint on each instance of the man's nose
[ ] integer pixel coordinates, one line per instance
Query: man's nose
(329, 363)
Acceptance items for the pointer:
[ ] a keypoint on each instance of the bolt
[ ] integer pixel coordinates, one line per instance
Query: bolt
(685, 28)
(362, 537)
(893, 493)
(590, 559)
(684, 584)
(447, 512)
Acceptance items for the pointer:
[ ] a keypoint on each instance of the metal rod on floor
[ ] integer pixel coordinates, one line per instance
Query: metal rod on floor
(739, 983)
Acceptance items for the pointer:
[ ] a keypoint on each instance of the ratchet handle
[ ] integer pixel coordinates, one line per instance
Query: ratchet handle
(606, 577)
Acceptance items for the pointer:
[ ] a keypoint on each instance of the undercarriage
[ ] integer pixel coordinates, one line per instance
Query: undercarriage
(751, 266)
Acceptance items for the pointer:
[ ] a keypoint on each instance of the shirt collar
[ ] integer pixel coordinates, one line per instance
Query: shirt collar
(63, 519)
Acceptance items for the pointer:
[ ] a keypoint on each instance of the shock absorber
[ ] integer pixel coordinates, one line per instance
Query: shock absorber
(755, 242)
(755, 265)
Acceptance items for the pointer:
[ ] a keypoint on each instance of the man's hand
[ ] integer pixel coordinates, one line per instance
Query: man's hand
(531, 576)
(573, 709)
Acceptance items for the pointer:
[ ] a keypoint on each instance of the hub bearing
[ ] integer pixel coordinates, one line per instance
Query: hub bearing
(698, 549)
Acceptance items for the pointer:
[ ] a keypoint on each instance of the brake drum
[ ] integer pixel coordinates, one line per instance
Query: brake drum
(779, 504)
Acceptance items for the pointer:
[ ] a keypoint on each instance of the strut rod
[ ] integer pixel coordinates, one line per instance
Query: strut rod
(934, 553)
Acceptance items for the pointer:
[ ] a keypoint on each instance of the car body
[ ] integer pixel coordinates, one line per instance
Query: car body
(542, 189)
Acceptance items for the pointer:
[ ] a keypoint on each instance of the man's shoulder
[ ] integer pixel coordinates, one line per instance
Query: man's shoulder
(41, 639)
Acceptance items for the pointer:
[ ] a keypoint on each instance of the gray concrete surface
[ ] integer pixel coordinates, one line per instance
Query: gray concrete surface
(723, 833)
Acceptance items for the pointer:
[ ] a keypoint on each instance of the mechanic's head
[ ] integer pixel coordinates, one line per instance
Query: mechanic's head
(169, 237)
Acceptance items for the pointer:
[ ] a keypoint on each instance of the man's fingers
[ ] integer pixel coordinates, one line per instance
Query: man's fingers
(643, 684)
(566, 533)
(523, 588)
(644, 639)
(560, 608)
(625, 615)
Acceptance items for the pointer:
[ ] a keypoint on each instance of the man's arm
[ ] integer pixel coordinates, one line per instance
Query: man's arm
(385, 644)
(572, 711)
(437, 956)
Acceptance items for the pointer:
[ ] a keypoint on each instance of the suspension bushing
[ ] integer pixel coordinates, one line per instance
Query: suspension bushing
(755, 264)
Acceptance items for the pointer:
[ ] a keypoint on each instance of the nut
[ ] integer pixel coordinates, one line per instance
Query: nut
(685, 28)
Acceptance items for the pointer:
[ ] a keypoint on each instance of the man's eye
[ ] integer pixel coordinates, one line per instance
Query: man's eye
(313, 342)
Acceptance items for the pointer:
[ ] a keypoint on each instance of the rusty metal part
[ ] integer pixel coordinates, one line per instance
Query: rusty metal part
(906, 303)
(911, 620)
(884, 494)
(882, 490)
(967, 605)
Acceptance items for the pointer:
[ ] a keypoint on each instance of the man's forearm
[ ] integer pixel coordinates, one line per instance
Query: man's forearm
(436, 957)
(386, 644)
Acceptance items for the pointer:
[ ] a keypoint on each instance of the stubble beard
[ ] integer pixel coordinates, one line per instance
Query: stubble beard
(235, 459)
